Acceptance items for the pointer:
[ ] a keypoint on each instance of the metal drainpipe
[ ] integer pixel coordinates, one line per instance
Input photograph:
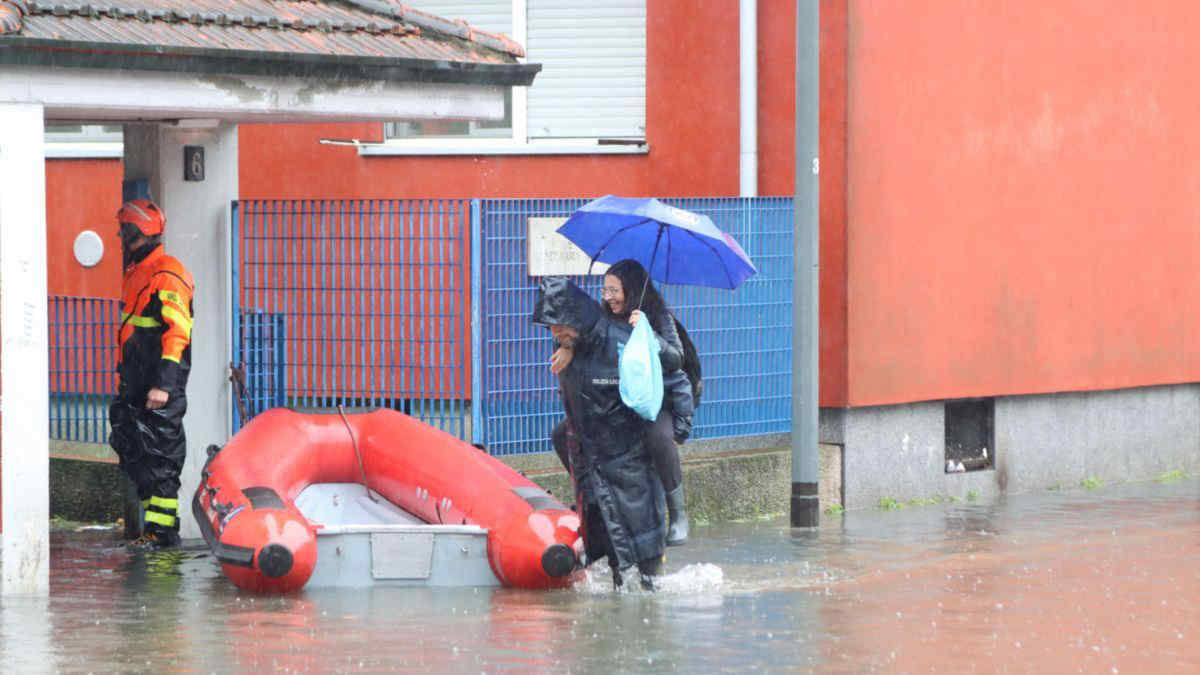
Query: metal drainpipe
(748, 97)
(805, 270)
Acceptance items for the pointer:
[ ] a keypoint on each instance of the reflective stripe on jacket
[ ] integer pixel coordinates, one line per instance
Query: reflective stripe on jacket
(156, 323)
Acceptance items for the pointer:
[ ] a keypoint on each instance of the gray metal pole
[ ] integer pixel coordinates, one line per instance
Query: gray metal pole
(806, 509)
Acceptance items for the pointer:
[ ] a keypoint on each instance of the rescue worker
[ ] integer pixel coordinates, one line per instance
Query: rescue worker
(617, 490)
(154, 358)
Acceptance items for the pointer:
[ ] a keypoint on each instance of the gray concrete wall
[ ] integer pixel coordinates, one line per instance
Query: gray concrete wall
(720, 485)
(1127, 434)
(91, 491)
(1042, 441)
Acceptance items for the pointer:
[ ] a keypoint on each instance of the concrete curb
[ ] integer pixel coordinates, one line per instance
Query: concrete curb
(719, 484)
(86, 490)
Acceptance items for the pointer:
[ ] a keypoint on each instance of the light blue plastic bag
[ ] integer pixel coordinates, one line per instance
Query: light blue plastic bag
(641, 372)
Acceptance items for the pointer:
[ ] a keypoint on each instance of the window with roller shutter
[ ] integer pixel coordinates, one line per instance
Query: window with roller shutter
(592, 86)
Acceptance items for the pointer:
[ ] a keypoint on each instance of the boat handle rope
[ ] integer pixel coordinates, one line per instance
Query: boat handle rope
(353, 441)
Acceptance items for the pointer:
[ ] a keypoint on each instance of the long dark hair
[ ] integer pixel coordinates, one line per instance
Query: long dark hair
(633, 280)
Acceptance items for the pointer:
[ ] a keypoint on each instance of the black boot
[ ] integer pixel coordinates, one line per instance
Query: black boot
(677, 530)
(155, 538)
(649, 571)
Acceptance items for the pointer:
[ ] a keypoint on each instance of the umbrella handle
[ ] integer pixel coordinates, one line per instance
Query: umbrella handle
(653, 255)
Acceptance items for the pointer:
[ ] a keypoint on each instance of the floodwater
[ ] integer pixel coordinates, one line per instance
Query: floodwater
(1097, 581)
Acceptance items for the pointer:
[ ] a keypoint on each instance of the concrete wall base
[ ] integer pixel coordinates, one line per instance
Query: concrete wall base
(867, 455)
(720, 483)
(88, 490)
(1041, 441)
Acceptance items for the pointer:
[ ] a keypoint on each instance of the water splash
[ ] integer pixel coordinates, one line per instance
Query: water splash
(693, 578)
(690, 579)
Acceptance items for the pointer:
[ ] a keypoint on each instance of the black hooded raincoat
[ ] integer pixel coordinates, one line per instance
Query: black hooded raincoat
(619, 495)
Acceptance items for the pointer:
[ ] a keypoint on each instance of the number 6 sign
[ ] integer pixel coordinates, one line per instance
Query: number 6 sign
(193, 162)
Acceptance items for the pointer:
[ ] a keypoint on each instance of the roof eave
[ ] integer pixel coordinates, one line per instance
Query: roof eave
(80, 54)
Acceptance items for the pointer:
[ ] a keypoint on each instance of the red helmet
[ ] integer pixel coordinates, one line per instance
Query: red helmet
(144, 215)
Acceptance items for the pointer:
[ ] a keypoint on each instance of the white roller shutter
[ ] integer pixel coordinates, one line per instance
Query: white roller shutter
(490, 15)
(593, 79)
(593, 56)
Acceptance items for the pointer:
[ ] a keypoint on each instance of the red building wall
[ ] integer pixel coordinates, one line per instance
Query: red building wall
(82, 195)
(833, 340)
(691, 125)
(1003, 210)
(1022, 184)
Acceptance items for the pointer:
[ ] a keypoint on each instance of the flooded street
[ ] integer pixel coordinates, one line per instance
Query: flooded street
(1105, 580)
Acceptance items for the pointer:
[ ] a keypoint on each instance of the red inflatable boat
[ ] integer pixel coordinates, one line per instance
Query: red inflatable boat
(246, 502)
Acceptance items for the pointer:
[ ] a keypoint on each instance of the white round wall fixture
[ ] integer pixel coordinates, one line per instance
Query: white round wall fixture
(89, 248)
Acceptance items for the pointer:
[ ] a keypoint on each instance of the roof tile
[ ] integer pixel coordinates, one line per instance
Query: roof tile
(377, 27)
(10, 17)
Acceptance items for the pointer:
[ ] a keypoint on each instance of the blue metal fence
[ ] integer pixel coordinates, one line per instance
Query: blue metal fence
(743, 337)
(379, 303)
(372, 296)
(262, 364)
(83, 355)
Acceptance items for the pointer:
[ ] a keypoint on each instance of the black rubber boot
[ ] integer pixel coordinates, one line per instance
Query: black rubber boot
(649, 571)
(677, 530)
(617, 580)
(155, 538)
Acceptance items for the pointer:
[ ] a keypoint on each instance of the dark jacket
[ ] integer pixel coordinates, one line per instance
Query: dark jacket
(615, 480)
(670, 348)
(677, 388)
(677, 397)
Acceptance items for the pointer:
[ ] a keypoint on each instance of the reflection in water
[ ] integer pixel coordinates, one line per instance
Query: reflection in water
(1095, 580)
(25, 635)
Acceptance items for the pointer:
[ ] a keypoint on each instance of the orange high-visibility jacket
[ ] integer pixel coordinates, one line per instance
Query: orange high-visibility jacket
(154, 340)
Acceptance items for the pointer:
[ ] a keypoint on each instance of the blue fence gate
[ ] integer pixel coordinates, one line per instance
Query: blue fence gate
(259, 373)
(364, 304)
(83, 360)
(423, 306)
(743, 337)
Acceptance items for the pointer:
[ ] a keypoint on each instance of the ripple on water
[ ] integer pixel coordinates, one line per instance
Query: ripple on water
(910, 590)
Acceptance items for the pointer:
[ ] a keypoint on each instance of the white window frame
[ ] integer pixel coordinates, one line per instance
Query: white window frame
(519, 143)
(90, 143)
(472, 125)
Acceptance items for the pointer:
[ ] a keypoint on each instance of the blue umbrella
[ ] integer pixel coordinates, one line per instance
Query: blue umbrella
(676, 246)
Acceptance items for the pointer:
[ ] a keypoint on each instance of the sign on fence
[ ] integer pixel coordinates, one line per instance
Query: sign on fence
(551, 254)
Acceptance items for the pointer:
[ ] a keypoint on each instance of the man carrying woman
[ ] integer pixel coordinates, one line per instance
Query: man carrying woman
(617, 490)
(628, 297)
